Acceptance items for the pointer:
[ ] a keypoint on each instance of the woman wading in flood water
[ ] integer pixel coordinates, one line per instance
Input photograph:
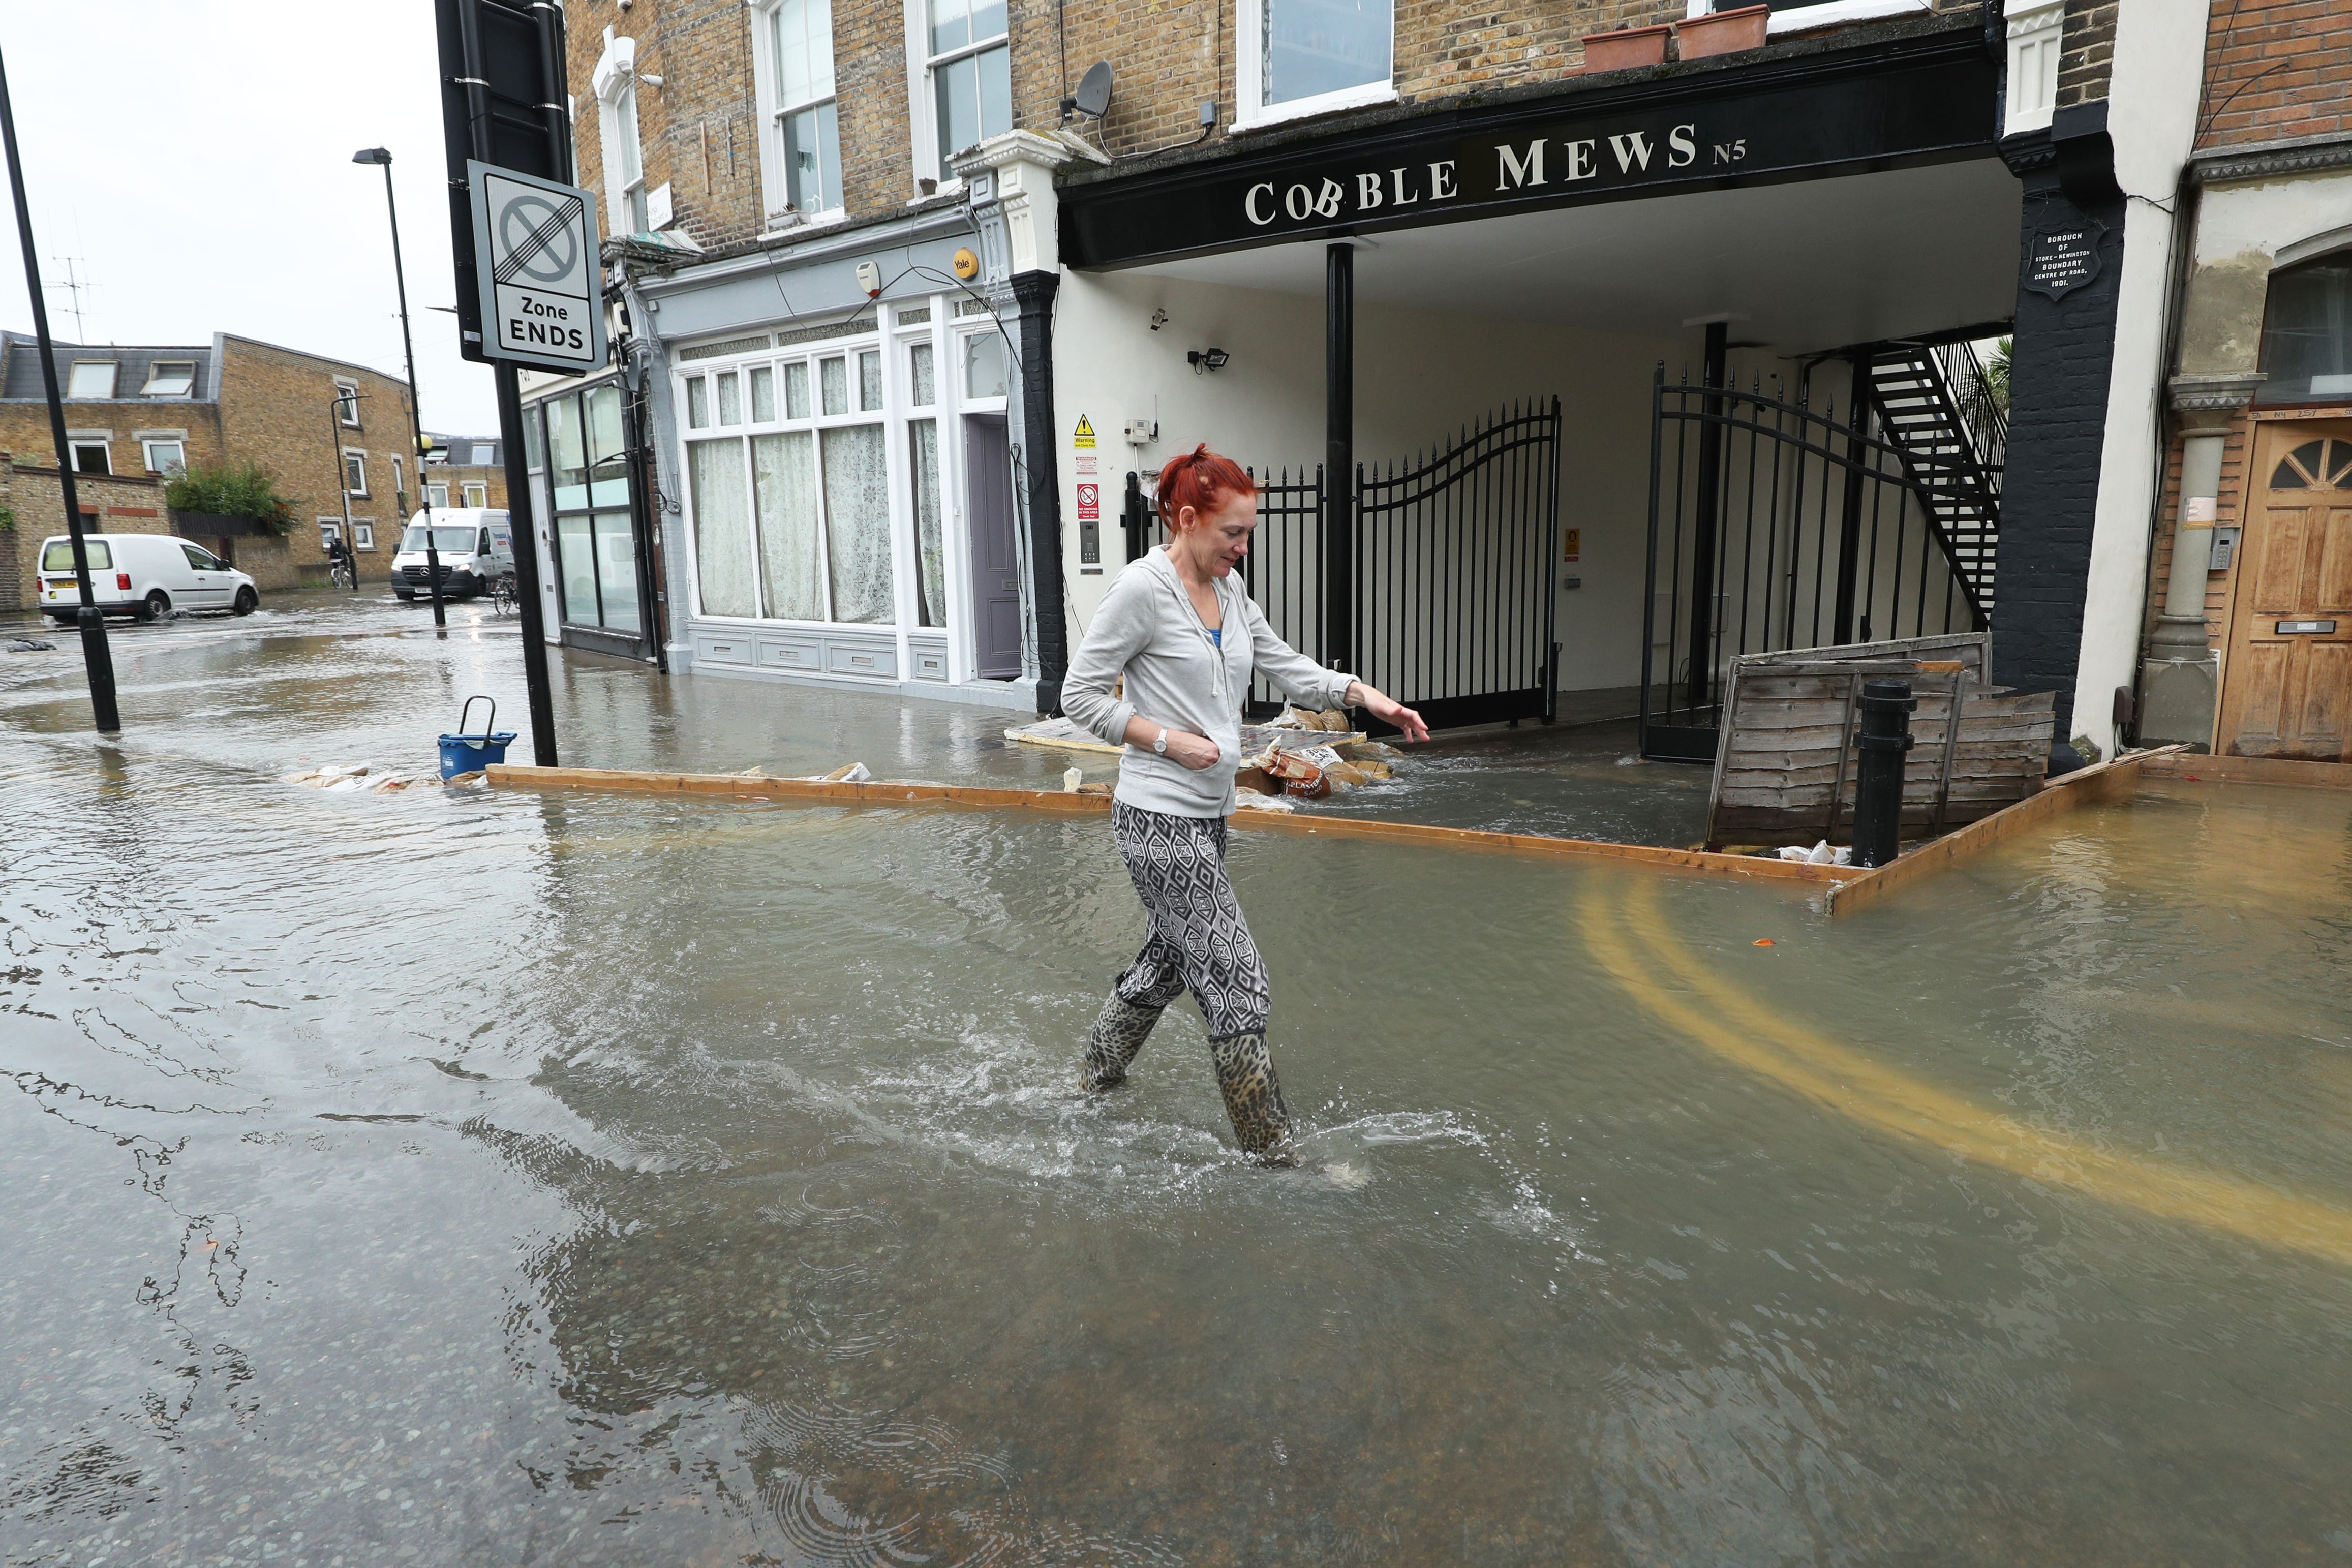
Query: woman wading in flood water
(1180, 627)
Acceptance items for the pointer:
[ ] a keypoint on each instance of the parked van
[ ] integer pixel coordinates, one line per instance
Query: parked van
(476, 549)
(146, 575)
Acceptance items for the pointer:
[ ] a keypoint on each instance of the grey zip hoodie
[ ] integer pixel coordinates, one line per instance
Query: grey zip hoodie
(1178, 675)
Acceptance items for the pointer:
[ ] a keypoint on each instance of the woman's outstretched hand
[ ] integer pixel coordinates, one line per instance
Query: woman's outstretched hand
(1389, 711)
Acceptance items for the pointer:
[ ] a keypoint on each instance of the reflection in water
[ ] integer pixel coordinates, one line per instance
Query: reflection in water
(485, 1179)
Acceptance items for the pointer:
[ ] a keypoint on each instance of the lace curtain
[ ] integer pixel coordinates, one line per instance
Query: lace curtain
(783, 478)
(857, 524)
(930, 557)
(722, 528)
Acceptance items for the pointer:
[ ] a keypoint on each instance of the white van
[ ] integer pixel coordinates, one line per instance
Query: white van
(475, 545)
(146, 575)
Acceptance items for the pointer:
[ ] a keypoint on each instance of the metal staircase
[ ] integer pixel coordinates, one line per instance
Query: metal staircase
(1936, 407)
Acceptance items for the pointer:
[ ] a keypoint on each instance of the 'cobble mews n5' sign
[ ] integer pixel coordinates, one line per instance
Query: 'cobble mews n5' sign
(1474, 164)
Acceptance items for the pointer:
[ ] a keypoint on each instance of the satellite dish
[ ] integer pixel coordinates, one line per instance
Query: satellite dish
(1093, 97)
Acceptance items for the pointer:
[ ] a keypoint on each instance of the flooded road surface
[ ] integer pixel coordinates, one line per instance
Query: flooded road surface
(497, 1177)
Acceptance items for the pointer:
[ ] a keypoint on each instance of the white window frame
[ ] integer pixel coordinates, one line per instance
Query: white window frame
(355, 455)
(890, 418)
(923, 93)
(616, 78)
(436, 496)
(1252, 111)
(362, 533)
(474, 493)
(347, 404)
(76, 444)
(2034, 42)
(776, 178)
(113, 369)
(329, 531)
(155, 373)
(947, 407)
(148, 443)
(399, 484)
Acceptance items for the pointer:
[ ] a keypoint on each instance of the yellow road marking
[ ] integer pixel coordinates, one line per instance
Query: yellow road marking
(1738, 1026)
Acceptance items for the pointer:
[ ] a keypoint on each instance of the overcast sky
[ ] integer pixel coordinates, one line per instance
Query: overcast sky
(194, 157)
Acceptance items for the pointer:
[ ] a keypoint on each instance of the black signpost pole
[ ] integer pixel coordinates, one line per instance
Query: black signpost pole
(503, 105)
(95, 656)
(1339, 456)
(523, 525)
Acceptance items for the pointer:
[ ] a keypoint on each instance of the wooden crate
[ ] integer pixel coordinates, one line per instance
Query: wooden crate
(1784, 768)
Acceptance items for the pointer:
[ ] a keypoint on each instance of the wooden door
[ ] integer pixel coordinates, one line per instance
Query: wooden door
(995, 561)
(2287, 688)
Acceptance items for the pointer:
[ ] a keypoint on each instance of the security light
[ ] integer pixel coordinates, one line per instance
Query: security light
(1207, 359)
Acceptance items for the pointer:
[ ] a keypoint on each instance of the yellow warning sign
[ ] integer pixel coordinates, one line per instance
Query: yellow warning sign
(1084, 436)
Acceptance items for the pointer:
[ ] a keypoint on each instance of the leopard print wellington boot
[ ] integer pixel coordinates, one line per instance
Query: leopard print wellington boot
(1254, 1098)
(1118, 1033)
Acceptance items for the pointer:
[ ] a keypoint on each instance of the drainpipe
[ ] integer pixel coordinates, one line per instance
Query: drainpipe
(2179, 678)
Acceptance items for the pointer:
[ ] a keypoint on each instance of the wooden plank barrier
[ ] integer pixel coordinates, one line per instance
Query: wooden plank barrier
(2084, 786)
(759, 786)
(2174, 762)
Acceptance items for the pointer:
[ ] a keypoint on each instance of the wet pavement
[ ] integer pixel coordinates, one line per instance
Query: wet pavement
(500, 1178)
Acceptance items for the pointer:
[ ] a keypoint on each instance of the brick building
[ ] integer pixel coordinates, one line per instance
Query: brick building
(2249, 613)
(329, 432)
(1316, 237)
(463, 471)
(33, 509)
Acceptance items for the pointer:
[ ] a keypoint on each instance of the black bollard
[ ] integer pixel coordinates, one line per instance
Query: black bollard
(1886, 738)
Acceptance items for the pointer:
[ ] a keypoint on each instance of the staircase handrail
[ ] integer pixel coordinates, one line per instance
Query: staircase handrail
(1981, 416)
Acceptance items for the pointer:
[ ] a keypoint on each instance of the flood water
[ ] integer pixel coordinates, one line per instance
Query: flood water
(480, 1177)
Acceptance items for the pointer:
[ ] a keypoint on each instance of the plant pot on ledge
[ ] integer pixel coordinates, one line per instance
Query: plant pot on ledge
(1623, 51)
(1723, 33)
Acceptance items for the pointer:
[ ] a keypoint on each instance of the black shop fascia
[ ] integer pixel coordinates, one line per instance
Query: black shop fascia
(1904, 95)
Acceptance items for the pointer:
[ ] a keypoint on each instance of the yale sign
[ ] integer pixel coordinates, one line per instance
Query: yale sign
(535, 250)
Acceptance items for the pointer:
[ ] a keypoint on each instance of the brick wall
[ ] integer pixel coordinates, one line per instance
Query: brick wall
(698, 133)
(2275, 69)
(457, 475)
(24, 428)
(122, 504)
(2086, 51)
(275, 408)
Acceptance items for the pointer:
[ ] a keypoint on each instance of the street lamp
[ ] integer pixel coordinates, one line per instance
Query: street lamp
(383, 155)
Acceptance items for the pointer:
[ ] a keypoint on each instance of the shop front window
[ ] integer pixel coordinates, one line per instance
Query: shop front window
(2306, 354)
(597, 552)
(794, 523)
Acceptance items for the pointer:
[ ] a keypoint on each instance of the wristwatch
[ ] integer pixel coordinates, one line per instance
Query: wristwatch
(1160, 747)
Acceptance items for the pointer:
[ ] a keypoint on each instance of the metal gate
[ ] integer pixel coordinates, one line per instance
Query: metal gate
(1772, 526)
(1445, 570)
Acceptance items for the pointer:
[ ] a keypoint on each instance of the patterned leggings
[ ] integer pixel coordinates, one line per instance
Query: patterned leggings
(1198, 937)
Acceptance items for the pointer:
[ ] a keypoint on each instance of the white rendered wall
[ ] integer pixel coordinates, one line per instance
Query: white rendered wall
(1421, 375)
(2151, 118)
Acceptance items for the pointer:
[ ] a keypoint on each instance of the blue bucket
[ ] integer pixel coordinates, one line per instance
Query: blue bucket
(463, 753)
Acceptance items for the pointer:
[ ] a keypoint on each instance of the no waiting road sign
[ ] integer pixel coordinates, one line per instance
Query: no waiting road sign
(535, 249)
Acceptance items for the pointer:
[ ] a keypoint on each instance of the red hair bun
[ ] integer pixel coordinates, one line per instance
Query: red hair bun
(1200, 479)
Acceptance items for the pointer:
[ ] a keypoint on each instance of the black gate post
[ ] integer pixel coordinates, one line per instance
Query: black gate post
(1849, 571)
(1339, 648)
(1711, 509)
